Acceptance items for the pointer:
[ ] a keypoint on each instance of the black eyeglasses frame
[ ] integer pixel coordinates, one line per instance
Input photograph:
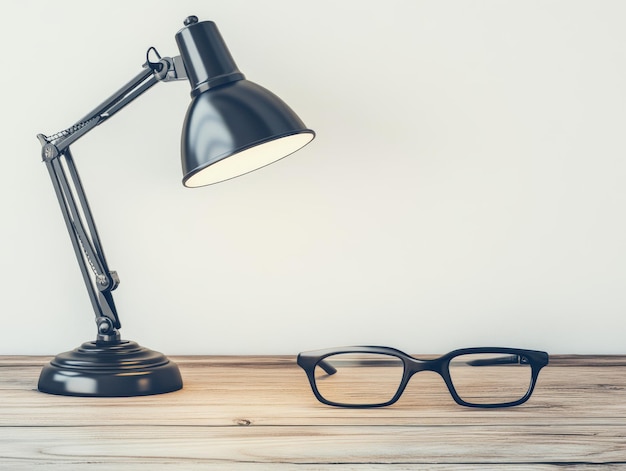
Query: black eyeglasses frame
(309, 360)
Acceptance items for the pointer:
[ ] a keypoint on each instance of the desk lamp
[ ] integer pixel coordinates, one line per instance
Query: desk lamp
(232, 127)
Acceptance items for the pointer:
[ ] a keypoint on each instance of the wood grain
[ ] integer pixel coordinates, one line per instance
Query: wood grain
(259, 413)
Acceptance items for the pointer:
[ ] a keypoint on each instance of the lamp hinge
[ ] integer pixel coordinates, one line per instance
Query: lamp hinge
(48, 151)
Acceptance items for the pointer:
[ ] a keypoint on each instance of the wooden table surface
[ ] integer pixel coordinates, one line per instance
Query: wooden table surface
(256, 413)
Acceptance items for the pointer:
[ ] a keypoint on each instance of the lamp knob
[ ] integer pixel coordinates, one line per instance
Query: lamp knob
(190, 20)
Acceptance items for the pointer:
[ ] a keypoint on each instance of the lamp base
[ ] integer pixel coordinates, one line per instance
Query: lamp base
(110, 369)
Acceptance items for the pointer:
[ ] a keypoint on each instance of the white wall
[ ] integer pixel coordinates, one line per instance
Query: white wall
(466, 187)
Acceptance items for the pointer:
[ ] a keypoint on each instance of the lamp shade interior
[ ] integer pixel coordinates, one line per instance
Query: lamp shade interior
(249, 159)
(234, 129)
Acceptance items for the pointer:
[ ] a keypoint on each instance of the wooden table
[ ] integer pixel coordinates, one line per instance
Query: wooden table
(257, 413)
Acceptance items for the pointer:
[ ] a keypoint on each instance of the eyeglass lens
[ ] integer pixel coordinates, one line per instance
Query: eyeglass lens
(490, 378)
(361, 378)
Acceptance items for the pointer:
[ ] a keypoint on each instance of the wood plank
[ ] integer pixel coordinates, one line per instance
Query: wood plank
(223, 392)
(250, 412)
(468, 445)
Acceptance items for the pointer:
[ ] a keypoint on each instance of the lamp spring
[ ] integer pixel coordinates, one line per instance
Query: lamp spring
(69, 131)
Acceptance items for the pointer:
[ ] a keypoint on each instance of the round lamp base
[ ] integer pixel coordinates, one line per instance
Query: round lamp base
(116, 369)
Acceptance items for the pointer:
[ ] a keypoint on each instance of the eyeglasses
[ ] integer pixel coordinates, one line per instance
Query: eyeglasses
(377, 376)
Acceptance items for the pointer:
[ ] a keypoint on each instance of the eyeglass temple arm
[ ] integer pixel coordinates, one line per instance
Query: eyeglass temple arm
(505, 360)
(72, 198)
(327, 367)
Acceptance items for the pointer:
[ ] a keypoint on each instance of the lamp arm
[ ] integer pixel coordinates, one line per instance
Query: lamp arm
(167, 69)
(99, 280)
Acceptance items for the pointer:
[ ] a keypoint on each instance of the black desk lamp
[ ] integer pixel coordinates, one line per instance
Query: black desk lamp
(232, 127)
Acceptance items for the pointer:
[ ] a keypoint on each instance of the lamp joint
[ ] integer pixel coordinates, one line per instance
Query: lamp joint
(115, 280)
(48, 151)
(165, 69)
(107, 333)
(172, 69)
(108, 283)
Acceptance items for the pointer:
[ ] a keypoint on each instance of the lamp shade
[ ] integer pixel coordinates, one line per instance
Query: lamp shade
(233, 126)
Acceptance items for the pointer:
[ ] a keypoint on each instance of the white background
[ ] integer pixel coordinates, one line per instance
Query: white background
(466, 186)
